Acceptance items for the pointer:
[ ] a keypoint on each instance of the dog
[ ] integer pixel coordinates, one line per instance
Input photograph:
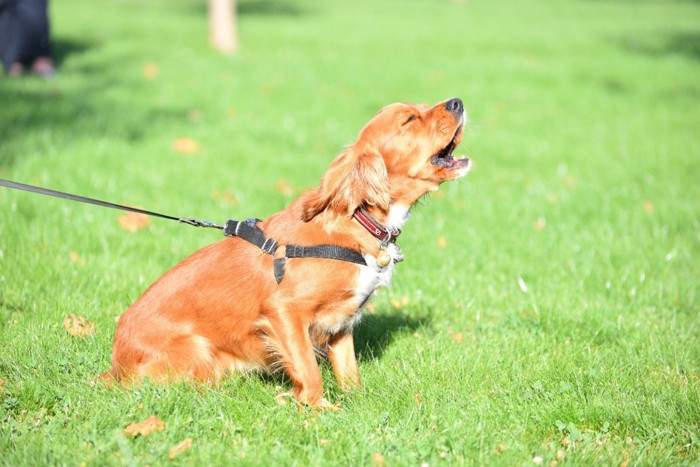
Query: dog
(276, 290)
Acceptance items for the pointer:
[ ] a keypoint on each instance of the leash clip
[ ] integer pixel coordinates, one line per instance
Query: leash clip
(198, 223)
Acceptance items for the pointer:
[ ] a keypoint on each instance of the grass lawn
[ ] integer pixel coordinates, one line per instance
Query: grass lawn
(547, 311)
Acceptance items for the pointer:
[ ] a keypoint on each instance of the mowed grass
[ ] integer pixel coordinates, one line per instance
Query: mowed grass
(547, 310)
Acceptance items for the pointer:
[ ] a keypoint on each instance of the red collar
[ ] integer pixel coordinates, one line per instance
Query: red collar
(375, 228)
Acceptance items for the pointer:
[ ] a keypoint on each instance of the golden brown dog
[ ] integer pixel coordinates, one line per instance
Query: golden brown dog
(224, 309)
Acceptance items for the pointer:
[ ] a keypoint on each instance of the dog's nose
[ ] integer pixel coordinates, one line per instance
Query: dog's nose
(455, 106)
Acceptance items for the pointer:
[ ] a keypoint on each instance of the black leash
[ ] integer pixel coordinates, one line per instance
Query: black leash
(83, 199)
(246, 230)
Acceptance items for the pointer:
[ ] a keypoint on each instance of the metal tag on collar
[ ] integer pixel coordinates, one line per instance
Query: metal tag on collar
(383, 258)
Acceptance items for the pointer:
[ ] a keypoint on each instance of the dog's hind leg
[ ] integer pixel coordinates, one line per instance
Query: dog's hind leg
(341, 353)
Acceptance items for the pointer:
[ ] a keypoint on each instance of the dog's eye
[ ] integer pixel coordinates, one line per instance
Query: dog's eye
(409, 120)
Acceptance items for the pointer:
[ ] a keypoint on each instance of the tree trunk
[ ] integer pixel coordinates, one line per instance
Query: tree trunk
(222, 25)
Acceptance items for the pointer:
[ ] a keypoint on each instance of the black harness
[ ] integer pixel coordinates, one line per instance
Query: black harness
(250, 232)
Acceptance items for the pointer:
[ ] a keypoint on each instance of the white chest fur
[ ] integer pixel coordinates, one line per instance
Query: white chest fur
(373, 276)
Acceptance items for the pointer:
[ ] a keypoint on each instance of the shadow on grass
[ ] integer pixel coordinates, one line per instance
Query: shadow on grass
(264, 7)
(255, 8)
(64, 48)
(686, 43)
(378, 330)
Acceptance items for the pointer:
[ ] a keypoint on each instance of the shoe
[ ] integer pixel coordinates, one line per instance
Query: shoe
(43, 67)
(15, 70)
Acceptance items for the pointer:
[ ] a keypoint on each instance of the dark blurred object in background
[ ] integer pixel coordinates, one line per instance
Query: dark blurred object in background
(25, 41)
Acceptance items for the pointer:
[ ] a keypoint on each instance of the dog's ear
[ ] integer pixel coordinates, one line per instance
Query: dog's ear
(353, 179)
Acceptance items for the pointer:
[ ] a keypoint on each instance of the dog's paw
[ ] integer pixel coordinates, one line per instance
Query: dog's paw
(283, 398)
(326, 405)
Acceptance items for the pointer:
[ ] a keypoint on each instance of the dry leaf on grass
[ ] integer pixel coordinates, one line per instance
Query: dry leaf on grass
(540, 223)
(418, 399)
(457, 336)
(284, 188)
(78, 326)
(133, 221)
(180, 448)
(378, 459)
(186, 145)
(150, 70)
(441, 241)
(226, 196)
(398, 304)
(75, 258)
(569, 180)
(145, 427)
(648, 206)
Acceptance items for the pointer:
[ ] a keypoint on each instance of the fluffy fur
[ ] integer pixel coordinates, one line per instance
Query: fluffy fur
(221, 310)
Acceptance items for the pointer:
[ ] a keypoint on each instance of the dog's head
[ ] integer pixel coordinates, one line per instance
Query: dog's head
(404, 152)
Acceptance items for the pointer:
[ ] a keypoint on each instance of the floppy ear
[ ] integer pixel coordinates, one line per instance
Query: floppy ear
(353, 179)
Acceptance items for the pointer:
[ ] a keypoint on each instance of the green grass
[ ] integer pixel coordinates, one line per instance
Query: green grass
(549, 302)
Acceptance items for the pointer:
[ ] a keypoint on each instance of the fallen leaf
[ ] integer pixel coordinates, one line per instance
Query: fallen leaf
(76, 258)
(150, 71)
(648, 206)
(378, 459)
(417, 399)
(133, 221)
(78, 326)
(284, 188)
(145, 427)
(540, 223)
(180, 448)
(323, 442)
(186, 145)
(399, 303)
(457, 336)
(226, 196)
(501, 448)
(441, 241)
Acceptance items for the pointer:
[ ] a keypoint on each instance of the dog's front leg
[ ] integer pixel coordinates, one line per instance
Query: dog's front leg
(298, 357)
(341, 353)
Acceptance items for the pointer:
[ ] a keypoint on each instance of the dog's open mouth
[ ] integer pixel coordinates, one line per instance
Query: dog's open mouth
(445, 159)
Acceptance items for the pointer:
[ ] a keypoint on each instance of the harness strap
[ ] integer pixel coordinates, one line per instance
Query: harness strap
(325, 251)
(247, 230)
